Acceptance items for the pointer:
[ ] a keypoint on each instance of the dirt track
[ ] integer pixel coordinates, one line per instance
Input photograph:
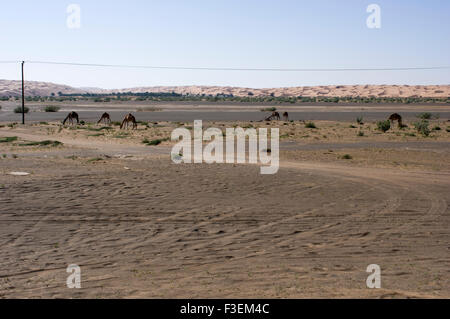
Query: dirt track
(141, 226)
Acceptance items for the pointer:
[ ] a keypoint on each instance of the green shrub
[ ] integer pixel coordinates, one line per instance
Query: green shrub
(422, 127)
(19, 109)
(436, 128)
(269, 109)
(347, 156)
(51, 108)
(359, 120)
(154, 142)
(384, 126)
(425, 116)
(360, 133)
(310, 125)
(8, 139)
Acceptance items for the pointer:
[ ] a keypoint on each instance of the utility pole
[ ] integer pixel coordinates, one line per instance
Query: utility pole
(23, 96)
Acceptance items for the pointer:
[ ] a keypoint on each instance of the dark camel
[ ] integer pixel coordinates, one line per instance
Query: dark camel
(286, 116)
(275, 115)
(105, 118)
(127, 119)
(72, 116)
(396, 117)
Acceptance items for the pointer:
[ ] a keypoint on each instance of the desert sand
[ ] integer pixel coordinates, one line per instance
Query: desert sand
(35, 88)
(140, 226)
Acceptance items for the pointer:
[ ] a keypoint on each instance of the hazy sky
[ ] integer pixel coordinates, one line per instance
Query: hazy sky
(216, 33)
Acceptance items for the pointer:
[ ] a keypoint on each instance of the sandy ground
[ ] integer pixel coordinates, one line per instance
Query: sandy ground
(140, 226)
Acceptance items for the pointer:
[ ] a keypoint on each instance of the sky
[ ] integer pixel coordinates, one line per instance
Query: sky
(229, 34)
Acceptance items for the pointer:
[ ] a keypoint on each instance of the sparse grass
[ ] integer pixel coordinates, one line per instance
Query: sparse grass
(154, 142)
(8, 139)
(103, 128)
(384, 126)
(410, 134)
(423, 127)
(116, 123)
(121, 135)
(359, 120)
(52, 108)
(310, 125)
(352, 126)
(360, 133)
(448, 129)
(42, 143)
(425, 116)
(95, 159)
(96, 135)
(19, 109)
(43, 123)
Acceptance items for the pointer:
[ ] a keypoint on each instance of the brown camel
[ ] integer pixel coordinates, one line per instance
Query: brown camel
(105, 118)
(127, 119)
(72, 116)
(286, 116)
(396, 117)
(275, 115)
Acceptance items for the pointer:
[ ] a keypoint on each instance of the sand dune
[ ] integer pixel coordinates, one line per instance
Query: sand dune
(32, 88)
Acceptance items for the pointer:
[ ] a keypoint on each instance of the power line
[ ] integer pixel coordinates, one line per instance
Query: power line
(240, 69)
(11, 62)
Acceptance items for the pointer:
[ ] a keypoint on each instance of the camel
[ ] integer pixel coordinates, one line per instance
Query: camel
(72, 115)
(286, 116)
(105, 118)
(396, 117)
(127, 119)
(275, 115)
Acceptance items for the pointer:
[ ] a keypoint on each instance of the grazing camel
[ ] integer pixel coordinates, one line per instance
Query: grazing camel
(127, 119)
(72, 115)
(105, 118)
(286, 116)
(275, 115)
(396, 117)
